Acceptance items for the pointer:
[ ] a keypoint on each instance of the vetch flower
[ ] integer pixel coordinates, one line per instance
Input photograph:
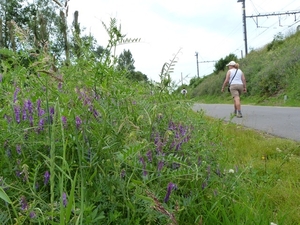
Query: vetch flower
(149, 155)
(18, 148)
(28, 106)
(144, 166)
(23, 203)
(16, 94)
(24, 113)
(123, 173)
(160, 165)
(170, 187)
(64, 121)
(17, 114)
(46, 177)
(32, 215)
(64, 199)
(78, 122)
(41, 124)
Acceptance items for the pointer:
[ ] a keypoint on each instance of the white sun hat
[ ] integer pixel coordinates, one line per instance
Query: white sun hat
(232, 63)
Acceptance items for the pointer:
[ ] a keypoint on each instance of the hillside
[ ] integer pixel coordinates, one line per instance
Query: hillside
(272, 72)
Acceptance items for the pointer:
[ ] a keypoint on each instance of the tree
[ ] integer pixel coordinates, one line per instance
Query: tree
(125, 61)
(10, 10)
(221, 64)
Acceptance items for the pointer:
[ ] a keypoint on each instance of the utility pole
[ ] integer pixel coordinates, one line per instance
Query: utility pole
(197, 64)
(244, 24)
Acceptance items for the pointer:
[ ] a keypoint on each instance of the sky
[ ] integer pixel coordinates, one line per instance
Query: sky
(213, 29)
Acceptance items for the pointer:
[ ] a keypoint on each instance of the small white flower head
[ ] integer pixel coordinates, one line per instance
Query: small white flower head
(231, 171)
(273, 223)
(278, 150)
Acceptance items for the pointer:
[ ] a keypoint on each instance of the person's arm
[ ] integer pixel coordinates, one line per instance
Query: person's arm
(244, 82)
(226, 80)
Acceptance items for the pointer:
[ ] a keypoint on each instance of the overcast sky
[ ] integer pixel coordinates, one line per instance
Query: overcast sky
(213, 28)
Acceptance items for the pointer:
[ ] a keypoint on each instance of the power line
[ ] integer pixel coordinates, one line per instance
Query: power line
(293, 12)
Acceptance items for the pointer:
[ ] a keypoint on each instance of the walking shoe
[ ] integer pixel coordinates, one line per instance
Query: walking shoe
(239, 115)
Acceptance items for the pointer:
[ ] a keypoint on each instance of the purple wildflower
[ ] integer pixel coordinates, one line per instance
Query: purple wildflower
(95, 113)
(28, 105)
(16, 94)
(78, 122)
(160, 165)
(144, 166)
(170, 187)
(24, 113)
(51, 110)
(39, 109)
(64, 199)
(31, 120)
(18, 148)
(17, 114)
(149, 155)
(32, 215)
(8, 118)
(18, 173)
(23, 203)
(64, 121)
(46, 177)
(41, 124)
(123, 173)
(38, 104)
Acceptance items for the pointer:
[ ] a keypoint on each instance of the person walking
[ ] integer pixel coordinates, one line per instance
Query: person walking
(237, 83)
(184, 91)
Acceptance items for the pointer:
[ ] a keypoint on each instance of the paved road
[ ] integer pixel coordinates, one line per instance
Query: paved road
(279, 121)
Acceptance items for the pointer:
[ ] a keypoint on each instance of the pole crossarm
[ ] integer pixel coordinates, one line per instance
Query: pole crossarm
(208, 61)
(275, 14)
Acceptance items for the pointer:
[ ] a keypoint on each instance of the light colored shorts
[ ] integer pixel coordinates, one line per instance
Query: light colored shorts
(236, 90)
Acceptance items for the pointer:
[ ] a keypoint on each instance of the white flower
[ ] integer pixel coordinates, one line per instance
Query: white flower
(273, 223)
(230, 171)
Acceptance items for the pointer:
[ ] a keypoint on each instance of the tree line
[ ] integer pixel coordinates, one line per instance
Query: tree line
(28, 29)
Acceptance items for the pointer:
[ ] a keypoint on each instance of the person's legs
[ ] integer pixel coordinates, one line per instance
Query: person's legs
(236, 91)
(237, 103)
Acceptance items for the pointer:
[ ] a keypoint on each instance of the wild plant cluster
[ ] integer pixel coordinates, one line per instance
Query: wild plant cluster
(84, 145)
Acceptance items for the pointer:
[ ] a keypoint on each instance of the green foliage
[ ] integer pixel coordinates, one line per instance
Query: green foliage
(221, 64)
(277, 41)
(195, 81)
(166, 71)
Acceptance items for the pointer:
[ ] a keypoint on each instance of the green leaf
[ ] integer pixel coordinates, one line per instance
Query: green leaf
(4, 196)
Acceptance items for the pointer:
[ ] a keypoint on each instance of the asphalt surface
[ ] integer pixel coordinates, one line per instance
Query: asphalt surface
(278, 121)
